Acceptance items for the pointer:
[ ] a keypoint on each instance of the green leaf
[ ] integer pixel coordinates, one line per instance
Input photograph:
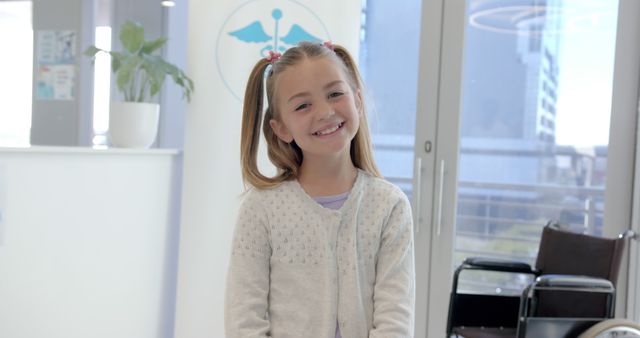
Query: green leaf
(92, 51)
(150, 46)
(116, 61)
(190, 83)
(152, 66)
(155, 88)
(126, 74)
(132, 37)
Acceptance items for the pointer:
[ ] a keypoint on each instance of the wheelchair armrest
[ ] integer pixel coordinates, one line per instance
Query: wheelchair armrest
(571, 282)
(481, 263)
(490, 264)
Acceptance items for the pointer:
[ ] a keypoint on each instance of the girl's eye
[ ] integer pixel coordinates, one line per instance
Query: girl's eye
(302, 106)
(336, 94)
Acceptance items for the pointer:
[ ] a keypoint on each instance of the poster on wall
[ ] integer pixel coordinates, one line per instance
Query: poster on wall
(226, 39)
(249, 30)
(55, 62)
(238, 34)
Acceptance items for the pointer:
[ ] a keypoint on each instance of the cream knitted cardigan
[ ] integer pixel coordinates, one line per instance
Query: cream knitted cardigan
(297, 266)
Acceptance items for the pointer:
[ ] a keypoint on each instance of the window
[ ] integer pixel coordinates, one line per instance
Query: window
(101, 87)
(16, 67)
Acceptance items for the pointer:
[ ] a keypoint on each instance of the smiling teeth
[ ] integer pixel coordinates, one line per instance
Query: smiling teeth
(329, 131)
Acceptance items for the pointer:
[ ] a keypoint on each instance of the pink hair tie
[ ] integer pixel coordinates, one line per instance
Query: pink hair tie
(328, 44)
(273, 56)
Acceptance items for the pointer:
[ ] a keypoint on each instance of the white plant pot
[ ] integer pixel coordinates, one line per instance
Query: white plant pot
(133, 124)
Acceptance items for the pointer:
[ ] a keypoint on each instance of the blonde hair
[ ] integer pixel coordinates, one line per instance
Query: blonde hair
(287, 157)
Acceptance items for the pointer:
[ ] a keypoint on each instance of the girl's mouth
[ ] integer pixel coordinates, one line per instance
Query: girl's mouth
(330, 130)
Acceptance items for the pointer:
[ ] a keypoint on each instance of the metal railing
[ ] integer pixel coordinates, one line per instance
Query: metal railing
(504, 221)
(508, 226)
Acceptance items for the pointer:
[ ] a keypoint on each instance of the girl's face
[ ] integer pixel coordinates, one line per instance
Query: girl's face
(317, 108)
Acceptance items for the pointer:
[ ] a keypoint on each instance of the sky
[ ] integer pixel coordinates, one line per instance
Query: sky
(586, 74)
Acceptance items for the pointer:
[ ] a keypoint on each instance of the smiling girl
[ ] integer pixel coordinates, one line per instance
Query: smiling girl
(325, 248)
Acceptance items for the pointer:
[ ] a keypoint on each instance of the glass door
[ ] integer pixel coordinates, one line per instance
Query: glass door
(534, 127)
(526, 118)
(390, 81)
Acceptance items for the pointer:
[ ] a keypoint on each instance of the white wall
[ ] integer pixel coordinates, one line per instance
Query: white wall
(88, 242)
(212, 182)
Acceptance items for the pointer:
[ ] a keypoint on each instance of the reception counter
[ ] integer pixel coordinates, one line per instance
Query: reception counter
(88, 242)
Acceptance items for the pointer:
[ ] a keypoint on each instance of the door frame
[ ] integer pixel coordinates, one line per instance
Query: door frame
(439, 76)
(424, 173)
(626, 86)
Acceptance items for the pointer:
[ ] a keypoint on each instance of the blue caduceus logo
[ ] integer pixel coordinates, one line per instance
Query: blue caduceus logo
(257, 27)
(254, 32)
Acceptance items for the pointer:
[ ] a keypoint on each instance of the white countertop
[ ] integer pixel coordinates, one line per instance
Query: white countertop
(89, 150)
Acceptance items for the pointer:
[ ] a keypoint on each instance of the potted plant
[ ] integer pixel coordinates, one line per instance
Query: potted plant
(140, 73)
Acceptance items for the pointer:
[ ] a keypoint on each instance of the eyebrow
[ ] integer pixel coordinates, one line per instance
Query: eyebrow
(302, 94)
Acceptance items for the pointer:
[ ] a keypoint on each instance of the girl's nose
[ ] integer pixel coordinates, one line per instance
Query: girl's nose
(329, 112)
(325, 111)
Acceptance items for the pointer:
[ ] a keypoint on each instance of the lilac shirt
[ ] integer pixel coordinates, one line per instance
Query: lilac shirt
(333, 202)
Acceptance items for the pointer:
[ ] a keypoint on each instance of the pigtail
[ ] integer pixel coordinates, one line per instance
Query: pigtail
(287, 157)
(251, 117)
(348, 61)
(361, 145)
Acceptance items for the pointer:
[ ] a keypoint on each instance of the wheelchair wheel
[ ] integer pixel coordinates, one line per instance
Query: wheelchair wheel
(618, 328)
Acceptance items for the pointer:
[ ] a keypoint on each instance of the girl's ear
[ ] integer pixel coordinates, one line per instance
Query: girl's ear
(281, 131)
(358, 100)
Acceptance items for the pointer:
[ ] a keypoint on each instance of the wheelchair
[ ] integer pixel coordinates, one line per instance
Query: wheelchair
(572, 293)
